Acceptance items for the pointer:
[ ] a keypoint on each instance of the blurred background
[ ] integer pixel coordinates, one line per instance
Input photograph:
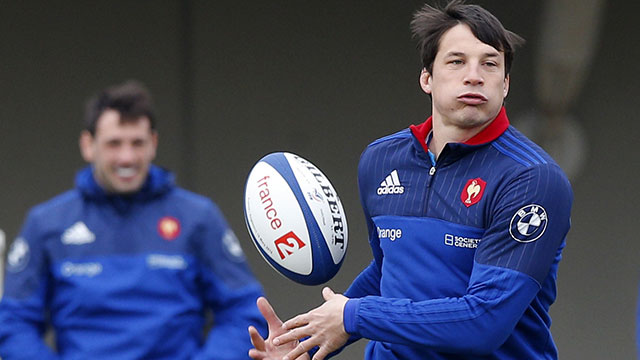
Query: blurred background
(234, 81)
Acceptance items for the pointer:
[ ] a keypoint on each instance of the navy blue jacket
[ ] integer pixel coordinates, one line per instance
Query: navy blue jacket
(465, 250)
(127, 277)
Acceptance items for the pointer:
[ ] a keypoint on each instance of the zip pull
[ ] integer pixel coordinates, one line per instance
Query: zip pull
(432, 170)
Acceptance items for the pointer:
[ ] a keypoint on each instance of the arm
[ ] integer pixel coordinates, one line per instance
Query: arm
(22, 308)
(229, 289)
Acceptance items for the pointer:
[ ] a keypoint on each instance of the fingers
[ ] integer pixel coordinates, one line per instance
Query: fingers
(256, 340)
(299, 350)
(327, 293)
(257, 355)
(269, 314)
(291, 335)
(321, 354)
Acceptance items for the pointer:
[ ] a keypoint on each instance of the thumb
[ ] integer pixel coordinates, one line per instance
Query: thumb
(327, 293)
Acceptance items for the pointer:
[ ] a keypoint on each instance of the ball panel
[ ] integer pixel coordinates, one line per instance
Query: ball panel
(322, 269)
(324, 203)
(279, 230)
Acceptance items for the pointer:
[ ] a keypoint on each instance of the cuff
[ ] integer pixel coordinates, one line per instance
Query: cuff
(349, 315)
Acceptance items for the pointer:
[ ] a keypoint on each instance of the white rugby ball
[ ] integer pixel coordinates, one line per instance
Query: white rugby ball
(295, 218)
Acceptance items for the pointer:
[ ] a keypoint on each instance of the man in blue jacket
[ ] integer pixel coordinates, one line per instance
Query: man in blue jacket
(126, 265)
(467, 219)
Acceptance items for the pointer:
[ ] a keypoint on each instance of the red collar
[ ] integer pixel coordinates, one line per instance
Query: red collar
(490, 133)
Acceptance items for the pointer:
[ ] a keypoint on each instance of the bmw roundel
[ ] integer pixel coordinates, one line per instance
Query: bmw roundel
(528, 224)
(18, 255)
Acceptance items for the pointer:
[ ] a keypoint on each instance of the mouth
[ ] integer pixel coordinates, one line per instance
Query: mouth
(126, 172)
(472, 98)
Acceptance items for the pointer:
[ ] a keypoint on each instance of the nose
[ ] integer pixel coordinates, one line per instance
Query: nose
(126, 155)
(473, 75)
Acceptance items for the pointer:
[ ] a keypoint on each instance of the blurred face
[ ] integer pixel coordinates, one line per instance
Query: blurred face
(121, 153)
(468, 82)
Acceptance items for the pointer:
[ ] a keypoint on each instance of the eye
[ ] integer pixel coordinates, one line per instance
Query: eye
(456, 62)
(139, 142)
(112, 144)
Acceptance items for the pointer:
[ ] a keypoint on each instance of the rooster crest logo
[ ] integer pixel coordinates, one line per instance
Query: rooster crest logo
(472, 191)
(169, 228)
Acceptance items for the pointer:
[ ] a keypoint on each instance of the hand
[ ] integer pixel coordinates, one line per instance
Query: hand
(324, 326)
(265, 349)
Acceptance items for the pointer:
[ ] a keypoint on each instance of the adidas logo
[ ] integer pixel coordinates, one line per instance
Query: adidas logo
(391, 185)
(78, 234)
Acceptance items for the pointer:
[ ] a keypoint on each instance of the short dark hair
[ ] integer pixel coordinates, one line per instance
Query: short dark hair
(131, 99)
(430, 23)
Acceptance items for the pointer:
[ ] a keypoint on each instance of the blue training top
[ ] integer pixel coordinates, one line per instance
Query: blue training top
(127, 277)
(465, 252)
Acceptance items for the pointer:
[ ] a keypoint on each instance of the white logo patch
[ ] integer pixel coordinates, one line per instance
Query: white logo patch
(232, 245)
(157, 261)
(77, 234)
(391, 185)
(18, 256)
(528, 224)
(461, 241)
(391, 234)
(90, 269)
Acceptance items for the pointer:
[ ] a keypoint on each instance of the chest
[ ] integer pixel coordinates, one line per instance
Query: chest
(92, 230)
(460, 192)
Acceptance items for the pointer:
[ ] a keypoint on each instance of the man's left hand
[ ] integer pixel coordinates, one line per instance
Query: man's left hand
(324, 326)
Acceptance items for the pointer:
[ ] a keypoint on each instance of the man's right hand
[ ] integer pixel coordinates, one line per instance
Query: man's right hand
(264, 349)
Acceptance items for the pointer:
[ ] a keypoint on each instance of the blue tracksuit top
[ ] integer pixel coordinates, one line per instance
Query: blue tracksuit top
(127, 277)
(465, 252)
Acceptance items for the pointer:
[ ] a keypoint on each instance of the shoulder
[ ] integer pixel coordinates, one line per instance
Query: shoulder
(191, 201)
(528, 165)
(57, 206)
(520, 149)
(387, 146)
(388, 140)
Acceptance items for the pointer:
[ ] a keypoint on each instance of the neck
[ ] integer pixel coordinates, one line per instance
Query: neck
(444, 134)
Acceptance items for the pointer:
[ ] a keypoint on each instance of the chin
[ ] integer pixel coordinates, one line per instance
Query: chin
(473, 118)
(127, 189)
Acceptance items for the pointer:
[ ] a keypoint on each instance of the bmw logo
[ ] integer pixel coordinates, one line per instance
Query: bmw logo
(528, 224)
(18, 255)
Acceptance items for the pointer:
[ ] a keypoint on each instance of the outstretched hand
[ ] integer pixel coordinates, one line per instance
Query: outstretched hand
(264, 349)
(324, 326)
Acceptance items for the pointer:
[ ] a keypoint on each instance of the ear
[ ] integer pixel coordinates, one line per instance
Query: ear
(154, 142)
(506, 86)
(86, 146)
(425, 81)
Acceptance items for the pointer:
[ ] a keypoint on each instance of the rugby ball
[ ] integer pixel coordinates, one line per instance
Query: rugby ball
(295, 218)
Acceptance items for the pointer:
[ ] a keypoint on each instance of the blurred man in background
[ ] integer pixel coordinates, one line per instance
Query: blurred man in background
(481, 214)
(126, 265)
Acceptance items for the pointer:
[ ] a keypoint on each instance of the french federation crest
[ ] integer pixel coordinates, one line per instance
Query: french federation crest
(169, 228)
(472, 191)
(528, 224)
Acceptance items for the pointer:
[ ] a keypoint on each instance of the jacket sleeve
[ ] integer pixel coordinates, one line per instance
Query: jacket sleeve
(229, 289)
(22, 308)
(507, 273)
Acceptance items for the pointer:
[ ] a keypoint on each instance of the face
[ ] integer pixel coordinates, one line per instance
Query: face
(468, 82)
(121, 153)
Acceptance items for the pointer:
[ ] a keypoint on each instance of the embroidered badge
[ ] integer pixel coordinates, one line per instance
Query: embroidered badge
(472, 191)
(528, 223)
(169, 228)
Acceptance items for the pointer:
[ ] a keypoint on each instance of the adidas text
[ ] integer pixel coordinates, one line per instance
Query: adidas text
(390, 190)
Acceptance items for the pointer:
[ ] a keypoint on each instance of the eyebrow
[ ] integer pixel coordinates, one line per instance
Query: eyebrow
(459, 53)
